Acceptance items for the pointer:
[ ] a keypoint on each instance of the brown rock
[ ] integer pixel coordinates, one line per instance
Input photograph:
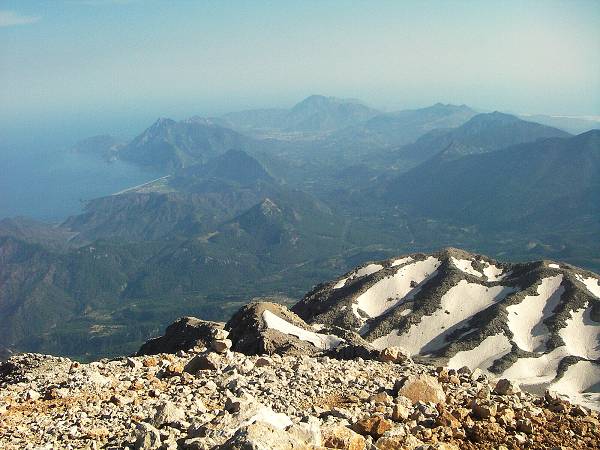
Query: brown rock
(398, 442)
(394, 354)
(506, 387)
(422, 388)
(150, 362)
(342, 438)
(400, 412)
(482, 410)
(373, 426)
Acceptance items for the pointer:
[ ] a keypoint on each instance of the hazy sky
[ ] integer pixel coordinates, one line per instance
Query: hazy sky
(149, 58)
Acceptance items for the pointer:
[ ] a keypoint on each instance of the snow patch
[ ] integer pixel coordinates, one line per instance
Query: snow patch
(402, 261)
(324, 341)
(483, 356)
(535, 374)
(582, 334)
(465, 265)
(581, 384)
(591, 284)
(391, 291)
(492, 272)
(525, 319)
(364, 271)
(458, 305)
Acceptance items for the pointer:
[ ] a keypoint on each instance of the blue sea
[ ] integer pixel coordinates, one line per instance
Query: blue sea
(48, 182)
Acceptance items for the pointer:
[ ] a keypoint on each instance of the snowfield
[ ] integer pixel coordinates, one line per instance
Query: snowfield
(324, 341)
(466, 266)
(535, 374)
(483, 356)
(581, 334)
(492, 272)
(402, 261)
(581, 384)
(391, 291)
(367, 270)
(458, 305)
(525, 319)
(592, 285)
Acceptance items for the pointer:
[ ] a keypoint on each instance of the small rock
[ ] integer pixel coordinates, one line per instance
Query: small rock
(167, 413)
(374, 426)
(261, 436)
(395, 355)
(506, 387)
(483, 410)
(208, 361)
(340, 437)
(221, 345)
(32, 395)
(147, 437)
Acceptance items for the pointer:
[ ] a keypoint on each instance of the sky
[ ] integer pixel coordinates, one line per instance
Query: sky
(117, 64)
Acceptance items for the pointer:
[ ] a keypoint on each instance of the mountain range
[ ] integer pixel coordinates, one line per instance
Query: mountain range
(272, 202)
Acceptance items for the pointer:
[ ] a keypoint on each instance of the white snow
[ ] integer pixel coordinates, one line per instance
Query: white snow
(525, 319)
(581, 383)
(324, 341)
(391, 291)
(465, 265)
(554, 266)
(483, 356)
(402, 261)
(534, 374)
(340, 283)
(458, 305)
(592, 284)
(582, 334)
(492, 272)
(367, 270)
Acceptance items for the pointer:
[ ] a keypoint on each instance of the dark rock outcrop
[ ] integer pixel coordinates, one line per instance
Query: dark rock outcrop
(183, 334)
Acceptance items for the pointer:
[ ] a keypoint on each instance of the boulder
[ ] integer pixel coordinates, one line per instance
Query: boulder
(250, 334)
(183, 334)
(421, 388)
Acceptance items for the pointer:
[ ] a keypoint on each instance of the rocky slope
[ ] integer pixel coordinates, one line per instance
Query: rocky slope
(210, 400)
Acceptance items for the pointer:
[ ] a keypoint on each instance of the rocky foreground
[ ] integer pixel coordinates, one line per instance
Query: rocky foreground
(219, 399)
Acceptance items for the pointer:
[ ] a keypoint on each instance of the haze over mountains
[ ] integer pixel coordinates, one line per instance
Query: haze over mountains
(271, 202)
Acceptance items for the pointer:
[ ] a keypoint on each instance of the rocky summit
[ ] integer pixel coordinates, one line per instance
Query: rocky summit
(449, 350)
(203, 399)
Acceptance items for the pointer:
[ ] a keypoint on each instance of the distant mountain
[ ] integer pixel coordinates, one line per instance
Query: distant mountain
(234, 165)
(314, 114)
(318, 113)
(537, 185)
(402, 127)
(482, 133)
(571, 124)
(105, 146)
(168, 144)
(32, 231)
(189, 202)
